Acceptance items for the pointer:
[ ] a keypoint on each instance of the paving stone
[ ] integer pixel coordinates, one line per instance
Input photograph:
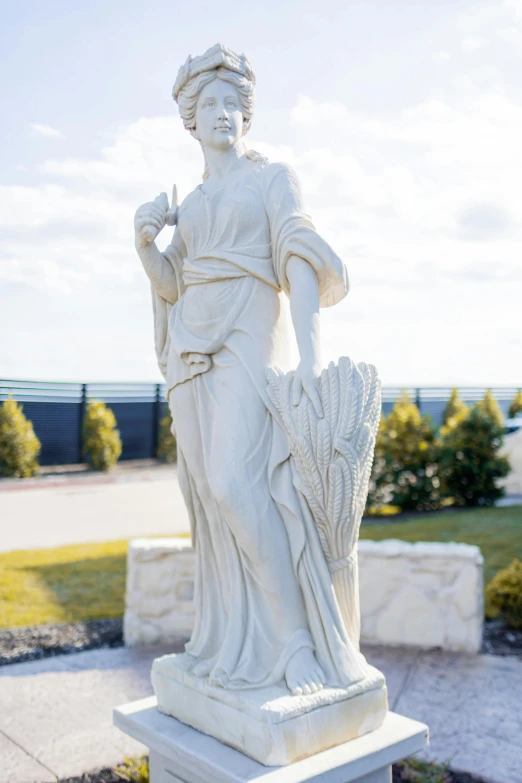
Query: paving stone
(17, 766)
(472, 706)
(59, 710)
(395, 663)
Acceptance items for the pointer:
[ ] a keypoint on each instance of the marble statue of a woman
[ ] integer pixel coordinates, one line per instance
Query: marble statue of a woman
(270, 618)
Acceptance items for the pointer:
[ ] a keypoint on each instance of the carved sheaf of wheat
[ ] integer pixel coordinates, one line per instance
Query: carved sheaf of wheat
(333, 456)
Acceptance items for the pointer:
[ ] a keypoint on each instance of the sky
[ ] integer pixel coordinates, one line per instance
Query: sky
(402, 120)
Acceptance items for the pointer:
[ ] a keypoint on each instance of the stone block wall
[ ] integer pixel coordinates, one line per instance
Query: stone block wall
(422, 595)
(160, 586)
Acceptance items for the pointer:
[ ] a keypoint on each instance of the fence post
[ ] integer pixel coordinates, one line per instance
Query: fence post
(156, 420)
(83, 404)
(418, 401)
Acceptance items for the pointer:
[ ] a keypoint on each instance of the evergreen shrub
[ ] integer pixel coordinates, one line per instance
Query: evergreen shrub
(19, 446)
(455, 411)
(405, 470)
(469, 463)
(490, 407)
(515, 409)
(504, 595)
(167, 449)
(101, 438)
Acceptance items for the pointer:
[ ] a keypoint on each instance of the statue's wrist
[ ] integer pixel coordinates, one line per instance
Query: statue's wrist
(141, 246)
(310, 362)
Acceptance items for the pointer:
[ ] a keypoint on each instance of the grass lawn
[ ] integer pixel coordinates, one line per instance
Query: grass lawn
(87, 582)
(497, 531)
(67, 584)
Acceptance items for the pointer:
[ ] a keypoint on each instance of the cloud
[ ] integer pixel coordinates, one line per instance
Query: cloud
(484, 222)
(46, 130)
(422, 202)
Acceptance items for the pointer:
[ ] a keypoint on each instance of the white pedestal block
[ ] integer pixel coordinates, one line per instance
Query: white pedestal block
(180, 754)
(269, 724)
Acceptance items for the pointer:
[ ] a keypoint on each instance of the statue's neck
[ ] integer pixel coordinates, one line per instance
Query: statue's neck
(219, 163)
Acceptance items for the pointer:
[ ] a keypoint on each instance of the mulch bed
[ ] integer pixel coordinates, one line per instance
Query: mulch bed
(103, 776)
(399, 775)
(44, 641)
(500, 639)
(109, 776)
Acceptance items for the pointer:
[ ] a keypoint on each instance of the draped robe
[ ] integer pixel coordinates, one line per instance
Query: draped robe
(262, 588)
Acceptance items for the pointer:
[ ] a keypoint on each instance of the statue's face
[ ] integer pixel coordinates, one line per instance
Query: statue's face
(219, 117)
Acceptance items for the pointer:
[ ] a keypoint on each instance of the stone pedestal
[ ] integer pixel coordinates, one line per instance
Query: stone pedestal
(269, 724)
(180, 754)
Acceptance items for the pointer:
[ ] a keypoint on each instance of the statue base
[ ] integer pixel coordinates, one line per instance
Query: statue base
(268, 724)
(180, 754)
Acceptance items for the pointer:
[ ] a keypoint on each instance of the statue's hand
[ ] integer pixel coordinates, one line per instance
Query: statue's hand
(149, 219)
(306, 379)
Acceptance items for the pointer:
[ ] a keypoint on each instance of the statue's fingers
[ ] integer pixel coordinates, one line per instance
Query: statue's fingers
(157, 212)
(297, 390)
(162, 202)
(148, 210)
(150, 216)
(149, 220)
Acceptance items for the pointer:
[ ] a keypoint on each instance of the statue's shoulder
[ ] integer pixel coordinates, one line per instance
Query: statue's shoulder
(277, 169)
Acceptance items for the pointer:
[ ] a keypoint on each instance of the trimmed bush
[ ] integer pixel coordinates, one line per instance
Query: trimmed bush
(101, 439)
(504, 595)
(515, 409)
(469, 460)
(167, 449)
(405, 470)
(455, 411)
(490, 407)
(19, 446)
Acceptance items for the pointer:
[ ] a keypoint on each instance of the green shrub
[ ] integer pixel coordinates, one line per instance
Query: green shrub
(469, 463)
(133, 770)
(490, 407)
(504, 595)
(19, 446)
(405, 470)
(414, 770)
(167, 449)
(101, 439)
(455, 410)
(516, 405)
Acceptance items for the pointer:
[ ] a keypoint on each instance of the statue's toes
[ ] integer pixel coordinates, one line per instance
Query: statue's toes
(202, 669)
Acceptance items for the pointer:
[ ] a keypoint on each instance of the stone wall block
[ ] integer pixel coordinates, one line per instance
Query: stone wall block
(412, 594)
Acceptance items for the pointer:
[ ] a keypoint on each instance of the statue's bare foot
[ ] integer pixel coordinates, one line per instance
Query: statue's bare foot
(202, 668)
(303, 673)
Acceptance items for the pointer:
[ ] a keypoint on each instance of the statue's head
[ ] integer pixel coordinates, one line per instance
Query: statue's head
(215, 95)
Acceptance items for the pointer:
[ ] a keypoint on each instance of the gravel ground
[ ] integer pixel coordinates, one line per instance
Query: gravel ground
(44, 641)
(500, 639)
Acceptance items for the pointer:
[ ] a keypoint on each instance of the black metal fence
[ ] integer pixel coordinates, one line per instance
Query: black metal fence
(56, 410)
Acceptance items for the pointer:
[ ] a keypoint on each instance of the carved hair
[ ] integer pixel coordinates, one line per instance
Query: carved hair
(218, 62)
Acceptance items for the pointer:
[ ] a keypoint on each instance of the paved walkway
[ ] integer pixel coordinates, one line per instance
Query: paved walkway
(56, 714)
(52, 513)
